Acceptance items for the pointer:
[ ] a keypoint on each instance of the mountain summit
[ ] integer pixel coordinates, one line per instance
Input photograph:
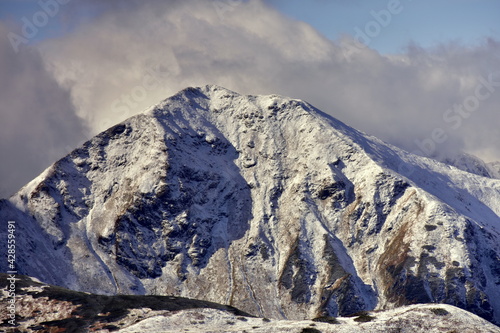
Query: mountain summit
(263, 203)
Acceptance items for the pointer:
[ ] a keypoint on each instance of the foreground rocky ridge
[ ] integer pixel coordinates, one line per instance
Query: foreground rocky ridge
(45, 308)
(263, 203)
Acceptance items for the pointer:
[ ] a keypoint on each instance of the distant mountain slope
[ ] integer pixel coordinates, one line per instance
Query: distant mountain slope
(473, 164)
(494, 169)
(264, 203)
(45, 308)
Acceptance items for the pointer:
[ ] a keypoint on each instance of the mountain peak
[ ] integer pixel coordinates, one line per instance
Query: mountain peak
(264, 203)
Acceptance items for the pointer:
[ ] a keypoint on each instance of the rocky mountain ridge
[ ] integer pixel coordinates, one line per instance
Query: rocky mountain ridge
(45, 308)
(263, 203)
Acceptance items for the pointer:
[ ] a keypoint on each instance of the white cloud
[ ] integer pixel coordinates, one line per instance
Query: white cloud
(38, 124)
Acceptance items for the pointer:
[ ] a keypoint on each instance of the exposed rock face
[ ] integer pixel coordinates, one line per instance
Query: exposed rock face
(263, 203)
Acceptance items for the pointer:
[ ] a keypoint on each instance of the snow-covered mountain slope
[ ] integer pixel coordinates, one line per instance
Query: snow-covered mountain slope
(473, 164)
(263, 203)
(494, 168)
(46, 308)
(422, 318)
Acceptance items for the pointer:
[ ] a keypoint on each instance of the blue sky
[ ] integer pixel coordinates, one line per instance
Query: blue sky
(64, 20)
(423, 22)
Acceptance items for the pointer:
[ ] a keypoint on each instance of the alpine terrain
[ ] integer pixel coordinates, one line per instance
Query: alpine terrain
(263, 203)
(45, 308)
